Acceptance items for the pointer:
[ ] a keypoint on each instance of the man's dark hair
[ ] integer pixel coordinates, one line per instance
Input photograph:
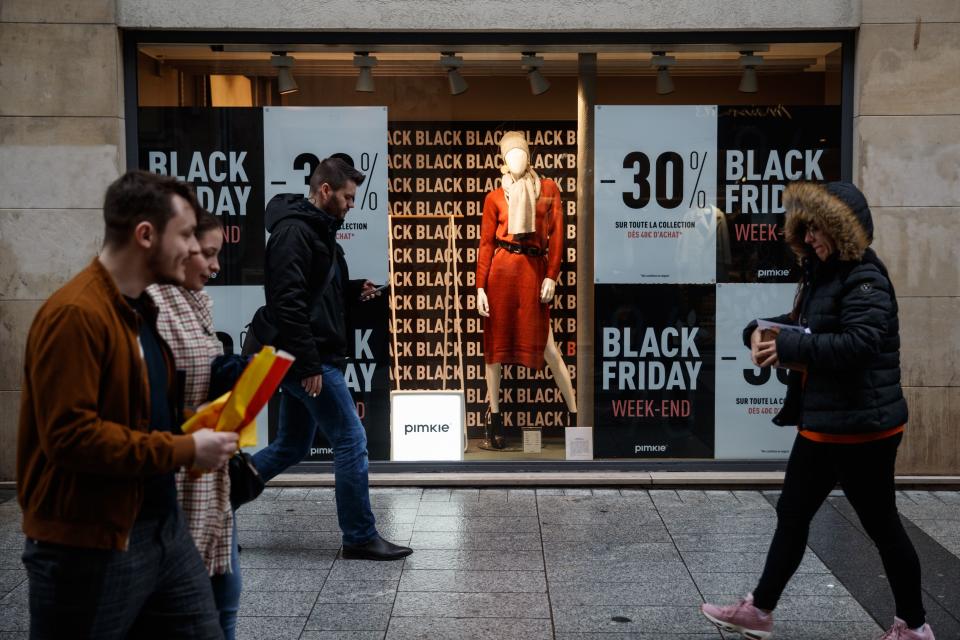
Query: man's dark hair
(206, 221)
(140, 196)
(336, 173)
(345, 157)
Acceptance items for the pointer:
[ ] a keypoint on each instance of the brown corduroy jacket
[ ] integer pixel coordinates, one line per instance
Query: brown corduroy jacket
(84, 447)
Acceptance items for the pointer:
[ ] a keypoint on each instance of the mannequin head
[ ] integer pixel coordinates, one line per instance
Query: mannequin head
(517, 161)
(515, 152)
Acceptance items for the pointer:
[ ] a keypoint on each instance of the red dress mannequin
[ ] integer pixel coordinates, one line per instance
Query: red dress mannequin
(518, 263)
(516, 330)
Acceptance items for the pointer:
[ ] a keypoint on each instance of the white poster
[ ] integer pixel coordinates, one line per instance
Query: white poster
(233, 309)
(296, 139)
(655, 194)
(747, 397)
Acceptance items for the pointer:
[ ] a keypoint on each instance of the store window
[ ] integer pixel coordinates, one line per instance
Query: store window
(691, 147)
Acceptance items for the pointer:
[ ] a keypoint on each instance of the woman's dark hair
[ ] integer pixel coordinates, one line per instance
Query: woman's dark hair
(335, 172)
(140, 196)
(206, 221)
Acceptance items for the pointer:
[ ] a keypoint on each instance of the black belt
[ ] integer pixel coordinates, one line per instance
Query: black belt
(525, 249)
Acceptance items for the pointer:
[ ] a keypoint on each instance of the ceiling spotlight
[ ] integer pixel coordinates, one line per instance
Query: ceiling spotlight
(285, 80)
(749, 62)
(366, 63)
(531, 63)
(662, 62)
(452, 64)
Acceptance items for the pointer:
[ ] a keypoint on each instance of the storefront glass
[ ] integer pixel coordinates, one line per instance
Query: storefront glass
(691, 147)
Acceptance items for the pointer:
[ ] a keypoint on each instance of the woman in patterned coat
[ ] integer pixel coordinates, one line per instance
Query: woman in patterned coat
(185, 321)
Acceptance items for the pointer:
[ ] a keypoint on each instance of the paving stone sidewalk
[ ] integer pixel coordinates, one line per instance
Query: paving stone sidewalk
(571, 564)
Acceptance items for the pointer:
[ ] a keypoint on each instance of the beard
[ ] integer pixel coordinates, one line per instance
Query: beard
(333, 209)
(162, 268)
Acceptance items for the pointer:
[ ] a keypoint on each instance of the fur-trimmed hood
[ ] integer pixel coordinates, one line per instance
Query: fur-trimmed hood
(837, 208)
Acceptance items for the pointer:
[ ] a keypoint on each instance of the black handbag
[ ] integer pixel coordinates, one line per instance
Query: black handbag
(246, 483)
(260, 332)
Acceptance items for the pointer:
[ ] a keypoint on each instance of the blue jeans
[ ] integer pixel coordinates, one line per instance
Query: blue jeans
(226, 590)
(335, 414)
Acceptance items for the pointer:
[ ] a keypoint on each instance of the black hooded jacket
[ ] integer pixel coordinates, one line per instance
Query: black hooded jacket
(306, 304)
(852, 353)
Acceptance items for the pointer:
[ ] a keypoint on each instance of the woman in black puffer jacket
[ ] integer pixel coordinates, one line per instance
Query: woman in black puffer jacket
(843, 395)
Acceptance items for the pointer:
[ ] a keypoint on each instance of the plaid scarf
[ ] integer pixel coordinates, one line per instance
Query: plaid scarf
(185, 321)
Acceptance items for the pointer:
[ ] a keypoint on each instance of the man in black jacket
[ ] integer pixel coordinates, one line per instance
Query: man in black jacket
(307, 290)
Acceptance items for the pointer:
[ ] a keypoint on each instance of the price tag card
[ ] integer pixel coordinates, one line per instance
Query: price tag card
(296, 139)
(655, 193)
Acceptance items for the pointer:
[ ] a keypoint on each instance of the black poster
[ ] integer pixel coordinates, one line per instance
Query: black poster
(220, 152)
(762, 149)
(367, 375)
(446, 169)
(655, 347)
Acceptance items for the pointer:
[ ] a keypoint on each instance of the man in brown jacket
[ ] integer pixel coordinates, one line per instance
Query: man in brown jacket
(107, 552)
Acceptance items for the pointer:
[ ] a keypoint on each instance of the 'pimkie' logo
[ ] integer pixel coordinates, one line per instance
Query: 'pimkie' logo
(649, 448)
(772, 273)
(425, 428)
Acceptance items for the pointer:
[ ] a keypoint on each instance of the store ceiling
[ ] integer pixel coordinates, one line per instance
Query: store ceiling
(254, 60)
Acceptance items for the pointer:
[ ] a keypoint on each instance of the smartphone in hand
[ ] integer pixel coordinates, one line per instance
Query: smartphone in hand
(368, 295)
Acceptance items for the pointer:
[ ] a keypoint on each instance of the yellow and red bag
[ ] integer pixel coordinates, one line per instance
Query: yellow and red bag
(237, 410)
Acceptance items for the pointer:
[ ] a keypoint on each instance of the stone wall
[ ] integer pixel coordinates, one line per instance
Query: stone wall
(454, 15)
(61, 143)
(907, 160)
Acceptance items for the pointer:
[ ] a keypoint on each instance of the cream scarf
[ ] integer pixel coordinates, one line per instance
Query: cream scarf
(521, 198)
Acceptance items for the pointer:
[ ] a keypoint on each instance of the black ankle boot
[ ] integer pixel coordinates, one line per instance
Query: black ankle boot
(487, 442)
(496, 432)
(494, 436)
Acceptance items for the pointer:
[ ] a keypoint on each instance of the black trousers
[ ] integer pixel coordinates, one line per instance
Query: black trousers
(157, 588)
(865, 473)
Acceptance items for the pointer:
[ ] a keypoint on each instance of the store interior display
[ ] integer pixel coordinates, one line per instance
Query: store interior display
(445, 170)
(481, 199)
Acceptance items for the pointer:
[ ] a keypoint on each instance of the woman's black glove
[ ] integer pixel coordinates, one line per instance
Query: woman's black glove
(224, 372)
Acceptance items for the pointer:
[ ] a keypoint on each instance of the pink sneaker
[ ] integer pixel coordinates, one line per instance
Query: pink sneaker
(743, 618)
(899, 631)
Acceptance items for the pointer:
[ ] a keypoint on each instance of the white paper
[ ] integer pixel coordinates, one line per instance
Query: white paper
(767, 324)
(532, 441)
(579, 441)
